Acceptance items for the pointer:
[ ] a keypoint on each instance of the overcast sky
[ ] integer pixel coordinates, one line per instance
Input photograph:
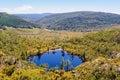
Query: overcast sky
(58, 6)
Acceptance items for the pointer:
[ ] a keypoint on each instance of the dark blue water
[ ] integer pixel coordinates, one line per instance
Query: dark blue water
(56, 58)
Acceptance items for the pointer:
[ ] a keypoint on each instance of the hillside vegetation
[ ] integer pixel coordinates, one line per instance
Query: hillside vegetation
(100, 52)
(84, 21)
(14, 21)
(72, 21)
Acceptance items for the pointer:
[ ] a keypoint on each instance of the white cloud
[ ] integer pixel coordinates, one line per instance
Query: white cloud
(23, 8)
(4, 10)
(20, 9)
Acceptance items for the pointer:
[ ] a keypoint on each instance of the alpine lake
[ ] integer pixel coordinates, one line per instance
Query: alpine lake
(58, 59)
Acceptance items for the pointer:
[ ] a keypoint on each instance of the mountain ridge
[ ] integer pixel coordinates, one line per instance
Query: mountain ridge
(79, 20)
(75, 21)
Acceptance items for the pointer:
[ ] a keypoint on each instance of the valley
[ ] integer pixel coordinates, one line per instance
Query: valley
(81, 45)
(99, 51)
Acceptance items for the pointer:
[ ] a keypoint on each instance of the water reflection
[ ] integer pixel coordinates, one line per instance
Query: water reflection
(59, 58)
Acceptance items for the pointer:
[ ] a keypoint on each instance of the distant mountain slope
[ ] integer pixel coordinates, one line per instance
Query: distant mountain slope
(14, 21)
(32, 17)
(79, 20)
(65, 21)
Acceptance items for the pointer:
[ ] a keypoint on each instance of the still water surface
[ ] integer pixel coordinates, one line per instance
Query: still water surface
(56, 58)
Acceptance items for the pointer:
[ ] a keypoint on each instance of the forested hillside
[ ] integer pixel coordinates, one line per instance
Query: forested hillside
(73, 21)
(14, 21)
(79, 20)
